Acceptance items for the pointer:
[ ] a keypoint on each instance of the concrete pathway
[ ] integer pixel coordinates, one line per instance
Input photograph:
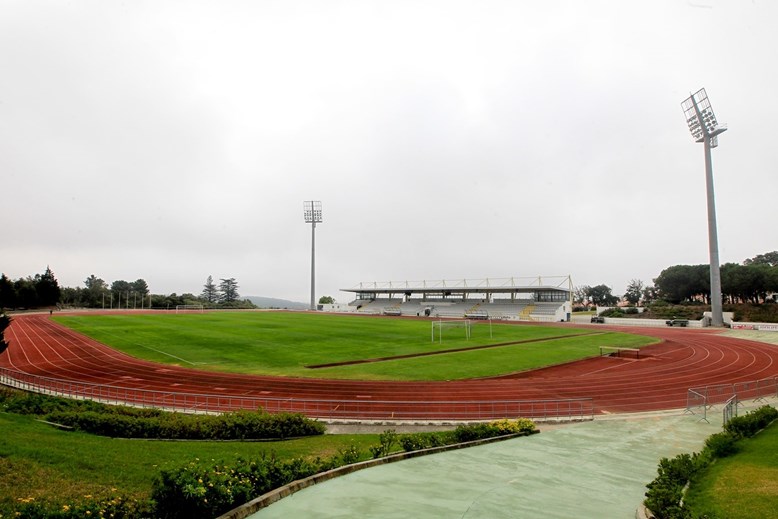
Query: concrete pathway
(593, 469)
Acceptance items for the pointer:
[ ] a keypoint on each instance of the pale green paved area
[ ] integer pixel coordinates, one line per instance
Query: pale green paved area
(754, 335)
(587, 470)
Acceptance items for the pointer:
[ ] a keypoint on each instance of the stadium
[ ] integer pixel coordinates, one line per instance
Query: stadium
(405, 354)
(687, 369)
(539, 299)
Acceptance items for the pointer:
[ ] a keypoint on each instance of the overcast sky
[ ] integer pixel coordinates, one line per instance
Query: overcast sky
(171, 141)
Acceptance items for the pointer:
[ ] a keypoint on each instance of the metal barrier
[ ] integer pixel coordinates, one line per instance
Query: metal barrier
(573, 409)
(730, 409)
(700, 399)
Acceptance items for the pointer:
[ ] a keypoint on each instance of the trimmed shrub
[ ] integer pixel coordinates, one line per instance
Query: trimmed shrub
(751, 423)
(210, 489)
(133, 422)
(414, 442)
(19, 402)
(420, 441)
(349, 455)
(387, 440)
(520, 425)
(665, 493)
(471, 432)
(238, 425)
(466, 433)
(721, 444)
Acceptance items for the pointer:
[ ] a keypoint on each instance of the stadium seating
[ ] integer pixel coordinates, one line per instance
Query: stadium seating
(458, 308)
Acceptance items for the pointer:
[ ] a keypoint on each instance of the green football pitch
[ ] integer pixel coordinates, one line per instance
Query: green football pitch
(296, 344)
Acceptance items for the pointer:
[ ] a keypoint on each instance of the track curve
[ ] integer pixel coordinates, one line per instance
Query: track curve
(658, 380)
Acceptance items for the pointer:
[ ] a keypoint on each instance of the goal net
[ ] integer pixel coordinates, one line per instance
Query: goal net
(189, 308)
(458, 328)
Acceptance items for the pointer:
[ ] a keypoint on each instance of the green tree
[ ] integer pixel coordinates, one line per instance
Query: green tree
(122, 290)
(94, 293)
(167, 302)
(210, 292)
(683, 282)
(768, 258)
(7, 293)
(601, 296)
(326, 300)
(26, 296)
(140, 287)
(228, 291)
(634, 291)
(771, 280)
(71, 296)
(649, 294)
(47, 288)
(581, 294)
(5, 322)
(745, 283)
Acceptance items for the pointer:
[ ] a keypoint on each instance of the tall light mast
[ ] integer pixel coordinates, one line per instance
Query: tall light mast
(312, 213)
(705, 129)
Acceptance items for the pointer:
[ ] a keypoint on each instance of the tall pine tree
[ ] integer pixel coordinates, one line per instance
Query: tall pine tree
(210, 292)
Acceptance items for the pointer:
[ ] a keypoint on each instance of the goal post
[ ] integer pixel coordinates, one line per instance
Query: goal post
(440, 326)
(189, 308)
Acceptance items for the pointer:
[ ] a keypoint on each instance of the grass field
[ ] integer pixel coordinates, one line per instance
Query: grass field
(39, 461)
(743, 486)
(285, 344)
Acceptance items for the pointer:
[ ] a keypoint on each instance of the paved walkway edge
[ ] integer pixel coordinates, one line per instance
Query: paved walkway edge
(271, 497)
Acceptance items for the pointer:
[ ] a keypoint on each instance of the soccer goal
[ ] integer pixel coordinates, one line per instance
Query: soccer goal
(440, 326)
(189, 308)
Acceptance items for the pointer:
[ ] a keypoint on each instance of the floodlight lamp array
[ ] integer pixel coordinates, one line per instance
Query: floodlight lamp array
(700, 116)
(312, 211)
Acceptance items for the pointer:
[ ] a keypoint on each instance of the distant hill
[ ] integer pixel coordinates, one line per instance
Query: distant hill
(271, 302)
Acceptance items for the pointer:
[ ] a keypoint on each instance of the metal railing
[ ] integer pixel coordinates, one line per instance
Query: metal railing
(730, 409)
(700, 399)
(573, 409)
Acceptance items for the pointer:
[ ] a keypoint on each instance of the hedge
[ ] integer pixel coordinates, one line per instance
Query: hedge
(237, 425)
(132, 422)
(665, 493)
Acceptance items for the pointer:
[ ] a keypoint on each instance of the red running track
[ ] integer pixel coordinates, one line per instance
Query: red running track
(659, 380)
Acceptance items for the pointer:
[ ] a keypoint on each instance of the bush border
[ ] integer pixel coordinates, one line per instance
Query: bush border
(676, 474)
(277, 494)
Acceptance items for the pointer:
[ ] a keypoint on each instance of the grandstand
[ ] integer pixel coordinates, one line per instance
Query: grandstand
(543, 299)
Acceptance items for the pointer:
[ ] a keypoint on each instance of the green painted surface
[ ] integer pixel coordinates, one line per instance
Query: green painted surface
(588, 470)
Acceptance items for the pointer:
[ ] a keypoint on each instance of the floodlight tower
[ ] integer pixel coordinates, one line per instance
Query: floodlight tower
(705, 129)
(312, 212)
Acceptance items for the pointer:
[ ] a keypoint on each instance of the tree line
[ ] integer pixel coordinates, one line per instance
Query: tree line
(754, 281)
(31, 292)
(44, 291)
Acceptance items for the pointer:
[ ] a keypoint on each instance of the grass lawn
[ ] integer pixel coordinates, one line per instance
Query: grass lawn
(743, 486)
(39, 461)
(284, 343)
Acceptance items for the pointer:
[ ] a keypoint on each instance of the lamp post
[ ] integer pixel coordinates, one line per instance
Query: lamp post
(705, 129)
(312, 213)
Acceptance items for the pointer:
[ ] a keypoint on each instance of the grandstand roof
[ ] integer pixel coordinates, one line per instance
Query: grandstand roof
(513, 285)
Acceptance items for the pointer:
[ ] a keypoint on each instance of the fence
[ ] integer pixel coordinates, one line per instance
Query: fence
(730, 409)
(574, 409)
(700, 399)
